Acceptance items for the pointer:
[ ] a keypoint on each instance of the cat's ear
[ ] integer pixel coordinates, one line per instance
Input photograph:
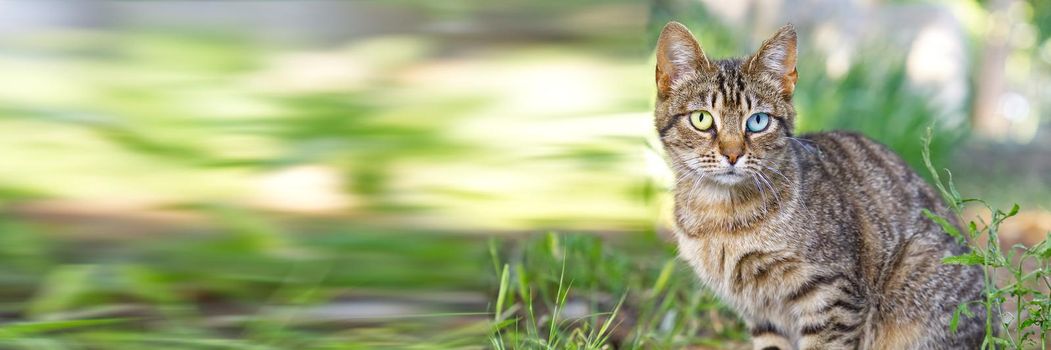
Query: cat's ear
(777, 56)
(678, 54)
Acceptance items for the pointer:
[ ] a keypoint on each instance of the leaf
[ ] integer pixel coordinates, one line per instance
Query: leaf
(603, 331)
(505, 277)
(1043, 249)
(966, 310)
(955, 321)
(1014, 210)
(553, 245)
(948, 227)
(493, 253)
(971, 258)
(926, 154)
(662, 279)
(952, 188)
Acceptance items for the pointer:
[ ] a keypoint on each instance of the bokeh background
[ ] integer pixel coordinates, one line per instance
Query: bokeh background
(353, 174)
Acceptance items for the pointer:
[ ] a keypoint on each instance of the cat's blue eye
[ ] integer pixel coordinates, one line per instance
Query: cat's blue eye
(757, 122)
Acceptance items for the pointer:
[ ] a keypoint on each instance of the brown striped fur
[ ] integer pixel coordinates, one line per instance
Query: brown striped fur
(817, 241)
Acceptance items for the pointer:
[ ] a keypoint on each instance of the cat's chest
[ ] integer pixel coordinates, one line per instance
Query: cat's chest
(714, 260)
(746, 270)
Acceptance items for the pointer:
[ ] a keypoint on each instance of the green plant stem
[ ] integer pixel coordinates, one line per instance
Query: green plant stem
(989, 299)
(1018, 300)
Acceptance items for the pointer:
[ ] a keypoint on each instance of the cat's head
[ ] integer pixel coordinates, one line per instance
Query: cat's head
(724, 120)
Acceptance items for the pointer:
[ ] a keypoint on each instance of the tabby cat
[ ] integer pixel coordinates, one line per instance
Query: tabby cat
(817, 241)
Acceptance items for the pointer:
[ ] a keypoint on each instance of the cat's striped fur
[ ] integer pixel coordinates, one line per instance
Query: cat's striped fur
(818, 242)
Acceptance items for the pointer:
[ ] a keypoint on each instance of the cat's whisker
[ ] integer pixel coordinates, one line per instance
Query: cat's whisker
(778, 172)
(683, 171)
(686, 171)
(777, 197)
(808, 148)
(789, 183)
(762, 192)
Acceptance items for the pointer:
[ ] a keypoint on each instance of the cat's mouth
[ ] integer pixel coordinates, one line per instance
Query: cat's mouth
(730, 176)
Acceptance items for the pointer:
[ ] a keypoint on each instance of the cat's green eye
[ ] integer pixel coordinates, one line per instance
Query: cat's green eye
(701, 120)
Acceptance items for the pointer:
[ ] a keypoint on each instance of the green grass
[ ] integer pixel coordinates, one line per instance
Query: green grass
(249, 284)
(258, 284)
(580, 292)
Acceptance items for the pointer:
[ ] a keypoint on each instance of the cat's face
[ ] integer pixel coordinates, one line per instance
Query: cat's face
(725, 121)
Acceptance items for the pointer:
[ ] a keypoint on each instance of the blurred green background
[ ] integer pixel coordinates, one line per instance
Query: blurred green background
(353, 174)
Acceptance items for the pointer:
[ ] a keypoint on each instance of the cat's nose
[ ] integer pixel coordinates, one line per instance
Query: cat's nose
(732, 151)
(732, 157)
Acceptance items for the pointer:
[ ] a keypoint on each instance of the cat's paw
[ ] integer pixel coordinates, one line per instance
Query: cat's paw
(770, 341)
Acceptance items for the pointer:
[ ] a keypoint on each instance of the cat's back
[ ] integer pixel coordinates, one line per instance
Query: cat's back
(865, 175)
(861, 186)
(861, 192)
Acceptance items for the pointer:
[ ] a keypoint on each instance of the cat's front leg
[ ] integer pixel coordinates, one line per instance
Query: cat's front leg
(836, 325)
(831, 313)
(767, 337)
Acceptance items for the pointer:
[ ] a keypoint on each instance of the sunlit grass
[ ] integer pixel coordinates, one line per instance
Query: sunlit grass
(252, 284)
(578, 292)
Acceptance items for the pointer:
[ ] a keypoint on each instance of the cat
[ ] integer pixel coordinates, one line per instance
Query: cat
(817, 241)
